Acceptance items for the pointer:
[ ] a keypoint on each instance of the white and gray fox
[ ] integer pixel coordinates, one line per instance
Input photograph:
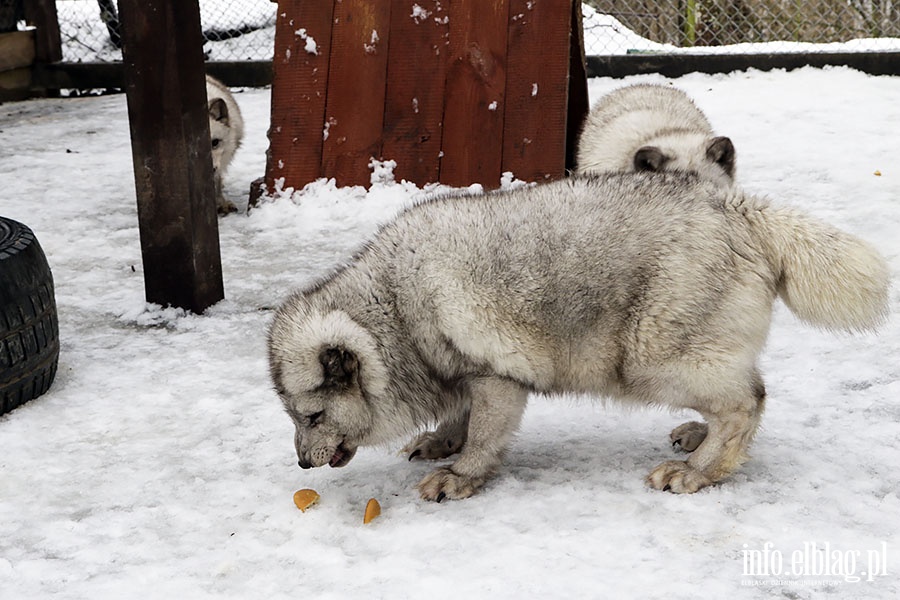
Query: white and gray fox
(653, 288)
(226, 130)
(648, 127)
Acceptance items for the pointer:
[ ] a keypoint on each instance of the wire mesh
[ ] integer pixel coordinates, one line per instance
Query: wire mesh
(237, 30)
(752, 26)
(233, 30)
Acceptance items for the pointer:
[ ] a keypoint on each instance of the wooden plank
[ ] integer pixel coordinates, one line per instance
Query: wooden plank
(16, 49)
(472, 141)
(537, 86)
(414, 104)
(42, 15)
(15, 84)
(299, 83)
(354, 111)
(169, 121)
(87, 75)
(579, 103)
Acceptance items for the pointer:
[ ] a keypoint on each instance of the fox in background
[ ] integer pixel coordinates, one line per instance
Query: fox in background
(649, 127)
(226, 131)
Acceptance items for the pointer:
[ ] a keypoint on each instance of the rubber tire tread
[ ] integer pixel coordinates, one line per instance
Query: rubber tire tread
(29, 326)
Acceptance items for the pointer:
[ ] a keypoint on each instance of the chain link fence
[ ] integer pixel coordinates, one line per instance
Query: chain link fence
(233, 30)
(740, 26)
(238, 30)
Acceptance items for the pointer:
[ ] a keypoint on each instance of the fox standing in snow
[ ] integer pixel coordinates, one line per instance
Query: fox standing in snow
(652, 128)
(653, 288)
(226, 130)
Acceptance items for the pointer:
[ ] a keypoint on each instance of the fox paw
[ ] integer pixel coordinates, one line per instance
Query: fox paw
(689, 436)
(444, 483)
(678, 477)
(432, 446)
(225, 207)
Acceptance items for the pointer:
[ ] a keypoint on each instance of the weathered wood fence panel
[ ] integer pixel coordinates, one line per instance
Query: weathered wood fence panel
(453, 91)
(354, 104)
(475, 93)
(537, 96)
(414, 106)
(300, 66)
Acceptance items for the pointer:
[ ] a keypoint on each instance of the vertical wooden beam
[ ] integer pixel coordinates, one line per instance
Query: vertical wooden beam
(578, 103)
(414, 104)
(42, 15)
(534, 134)
(300, 72)
(475, 93)
(163, 58)
(354, 111)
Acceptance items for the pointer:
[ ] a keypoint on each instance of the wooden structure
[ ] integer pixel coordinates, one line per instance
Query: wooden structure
(22, 51)
(169, 120)
(455, 91)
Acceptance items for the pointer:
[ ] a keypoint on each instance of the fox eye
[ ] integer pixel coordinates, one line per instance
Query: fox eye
(215, 142)
(315, 418)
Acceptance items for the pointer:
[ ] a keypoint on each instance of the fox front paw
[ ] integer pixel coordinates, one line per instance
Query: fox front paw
(225, 207)
(678, 477)
(444, 483)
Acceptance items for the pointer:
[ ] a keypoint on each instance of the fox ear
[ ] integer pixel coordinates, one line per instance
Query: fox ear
(721, 151)
(649, 158)
(339, 367)
(218, 110)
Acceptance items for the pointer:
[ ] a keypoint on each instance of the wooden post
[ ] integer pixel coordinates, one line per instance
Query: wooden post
(164, 80)
(578, 100)
(42, 15)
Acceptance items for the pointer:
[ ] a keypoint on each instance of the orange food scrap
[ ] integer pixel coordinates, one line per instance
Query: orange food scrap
(305, 498)
(373, 509)
(877, 173)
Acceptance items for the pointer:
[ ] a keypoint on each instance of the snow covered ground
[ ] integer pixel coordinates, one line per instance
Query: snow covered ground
(160, 464)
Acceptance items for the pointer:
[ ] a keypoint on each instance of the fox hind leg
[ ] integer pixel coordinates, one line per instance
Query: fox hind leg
(730, 429)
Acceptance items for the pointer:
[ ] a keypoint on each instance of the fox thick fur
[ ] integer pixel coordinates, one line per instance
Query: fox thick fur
(226, 131)
(652, 288)
(648, 127)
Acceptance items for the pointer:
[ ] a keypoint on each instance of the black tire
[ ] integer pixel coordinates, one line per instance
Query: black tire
(29, 330)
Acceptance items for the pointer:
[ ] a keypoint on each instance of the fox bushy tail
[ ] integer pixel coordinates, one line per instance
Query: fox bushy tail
(827, 277)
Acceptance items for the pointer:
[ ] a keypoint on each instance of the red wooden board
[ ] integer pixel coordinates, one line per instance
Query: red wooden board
(299, 83)
(475, 93)
(414, 104)
(534, 134)
(354, 110)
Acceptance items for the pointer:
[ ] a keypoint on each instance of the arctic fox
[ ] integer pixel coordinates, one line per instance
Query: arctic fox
(226, 130)
(652, 128)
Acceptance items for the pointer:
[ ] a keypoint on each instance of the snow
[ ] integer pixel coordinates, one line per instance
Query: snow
(419, 14)
(310, 46)
(160, 464)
